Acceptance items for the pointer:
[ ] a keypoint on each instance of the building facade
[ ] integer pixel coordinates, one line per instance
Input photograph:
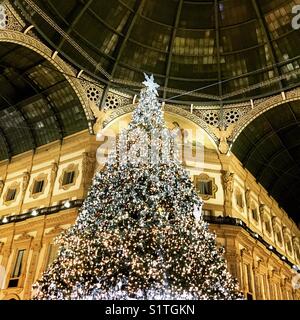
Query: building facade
(260, 240)
(42, 189)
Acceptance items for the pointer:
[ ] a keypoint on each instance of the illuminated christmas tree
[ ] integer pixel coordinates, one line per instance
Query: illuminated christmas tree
(140, 233)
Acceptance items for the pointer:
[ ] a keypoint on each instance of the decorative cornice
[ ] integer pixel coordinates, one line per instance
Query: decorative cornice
(203, 177)
(167, 108)
(55, 231)
(25, 181)
(24, 237)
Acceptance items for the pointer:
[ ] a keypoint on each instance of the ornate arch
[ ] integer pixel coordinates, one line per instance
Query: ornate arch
(107, 119)
(262, 107)
(37, 46)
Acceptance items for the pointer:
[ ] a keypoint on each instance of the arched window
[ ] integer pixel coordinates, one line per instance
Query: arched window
(239, 198)
(279, 236)
(297, 251)
(289, 246)
(254, 212)
(268, 226)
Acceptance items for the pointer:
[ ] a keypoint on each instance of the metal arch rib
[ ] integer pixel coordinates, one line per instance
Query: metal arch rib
(281, 142)
(31, 99)
(283, 147)
(24, 119)
(121, 46)
(74, 22)
(264, 138)
(48, 102)
(267, 36)
(6, 142)
(285, 173)
(291, 195)
(41, 94)
(273, 157)
(171, 46)
(217, 26)
(58, 29)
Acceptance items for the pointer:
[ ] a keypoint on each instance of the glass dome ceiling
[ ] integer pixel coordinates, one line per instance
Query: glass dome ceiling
(218, 50)
(37, 103)
(269, 147)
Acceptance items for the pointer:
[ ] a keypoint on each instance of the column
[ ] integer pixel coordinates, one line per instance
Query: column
(35, 247)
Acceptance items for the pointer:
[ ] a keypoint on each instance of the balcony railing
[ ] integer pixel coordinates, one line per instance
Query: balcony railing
(42, 211)
(208, 218)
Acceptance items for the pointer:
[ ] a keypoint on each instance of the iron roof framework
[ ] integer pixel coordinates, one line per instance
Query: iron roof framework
(269, 148)
(233, 50)
(37, 104)
(222, 46)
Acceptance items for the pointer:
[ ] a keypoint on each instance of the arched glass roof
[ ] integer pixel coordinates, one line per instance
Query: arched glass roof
(37, 104)
(269, 147)
(231, 50)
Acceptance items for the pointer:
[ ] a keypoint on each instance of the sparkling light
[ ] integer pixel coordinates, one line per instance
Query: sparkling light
(140, 233)
(34, 213)
(67, 204)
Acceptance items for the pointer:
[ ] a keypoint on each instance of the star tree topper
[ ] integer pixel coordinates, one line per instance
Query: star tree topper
(151, 84)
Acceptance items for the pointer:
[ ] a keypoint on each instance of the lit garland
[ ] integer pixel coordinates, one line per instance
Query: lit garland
(136, 236)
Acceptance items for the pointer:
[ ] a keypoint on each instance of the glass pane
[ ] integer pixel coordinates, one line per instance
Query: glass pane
(68, 177)
(11, 194)
(18, 266)
(38, 186)
(52, 253)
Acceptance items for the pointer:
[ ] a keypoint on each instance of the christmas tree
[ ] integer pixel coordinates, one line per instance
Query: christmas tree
(140, 233)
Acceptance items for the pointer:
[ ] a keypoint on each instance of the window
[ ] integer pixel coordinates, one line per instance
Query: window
(254, 214)
(298, 253)
(268, 226)
(249, 279)
(207, 213)
(279, 237)
(13, 282)
(38, 186)
(68, 177)
(52, 253)
(289, 246)
(239, 200)
(11, 194)
(249, 296)
(204, 187)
